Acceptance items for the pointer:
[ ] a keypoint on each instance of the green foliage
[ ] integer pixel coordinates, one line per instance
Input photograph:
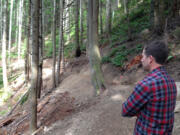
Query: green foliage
(13, 55)
(13, 77)
(48, 48)
(3, 112)
(118, 56)
(24, 99)
(139, 20)
(68, 50)
(170, 57)
(106, 59)
(138, 48)
(83, 47)
(119, 59)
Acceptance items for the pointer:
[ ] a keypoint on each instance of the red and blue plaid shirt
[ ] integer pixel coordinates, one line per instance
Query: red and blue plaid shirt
(152, 101)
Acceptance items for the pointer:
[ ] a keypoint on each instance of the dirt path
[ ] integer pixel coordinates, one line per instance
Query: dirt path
(73, 110)
(98, 116)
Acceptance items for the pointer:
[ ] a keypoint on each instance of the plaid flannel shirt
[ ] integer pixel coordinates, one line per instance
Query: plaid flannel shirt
(152, 101)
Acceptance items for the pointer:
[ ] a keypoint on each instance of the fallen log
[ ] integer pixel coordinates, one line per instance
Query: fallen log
(8, 120)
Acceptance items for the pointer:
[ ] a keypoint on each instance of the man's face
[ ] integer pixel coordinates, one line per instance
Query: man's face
(145, 61)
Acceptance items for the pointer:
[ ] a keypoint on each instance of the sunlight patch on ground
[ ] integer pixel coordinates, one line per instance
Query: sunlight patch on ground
(117, 97)
(69, 133)
(4, 97)
(17, 64)
(47, 72)
(46, 129)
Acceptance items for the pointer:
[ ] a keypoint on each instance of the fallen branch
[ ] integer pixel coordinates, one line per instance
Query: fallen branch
(8, 120)
(19, 101)
(37, 131)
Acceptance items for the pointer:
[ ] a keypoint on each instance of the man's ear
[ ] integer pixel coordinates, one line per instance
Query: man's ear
(151, 58)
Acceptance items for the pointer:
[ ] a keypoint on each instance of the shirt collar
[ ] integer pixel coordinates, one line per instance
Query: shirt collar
(157, 69)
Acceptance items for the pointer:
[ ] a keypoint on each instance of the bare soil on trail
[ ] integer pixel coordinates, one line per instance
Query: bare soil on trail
(102, 116)
(71, 109)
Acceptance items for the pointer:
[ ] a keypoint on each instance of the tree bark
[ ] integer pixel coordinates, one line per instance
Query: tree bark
(159, 18)
(94, 53)
(128, 20)
(152, 14)
(4, 43)
(1, 20)
(125, 6)
(81, 22)
(40, 66)
(10, 28)
(20, 28)
(27, 59)
(67, 22)
(60, 42)
(17, 22)
(35, 62)
(108, 16)
(87, 31)
(78, 51)
(176, 8)
(54, 45)
(100, 16)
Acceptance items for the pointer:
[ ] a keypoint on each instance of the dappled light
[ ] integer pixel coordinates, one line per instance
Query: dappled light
(18, 64)
(58, 55)
(4, 96)
(47, 72)
(117, 97)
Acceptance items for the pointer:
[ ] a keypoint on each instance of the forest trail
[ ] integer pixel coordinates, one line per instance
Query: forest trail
(71, 109)
(98, 116)
(93, 116)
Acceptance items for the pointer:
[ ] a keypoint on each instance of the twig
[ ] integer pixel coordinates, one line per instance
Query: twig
(38, 130)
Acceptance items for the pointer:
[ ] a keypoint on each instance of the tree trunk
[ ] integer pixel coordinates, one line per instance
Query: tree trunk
(40, 66)
(94, 53)
(100, 16)
(78, 51)
(10, 28)
(87, 31)
(7, 21)
(20, 28)
(152, 14)
(60, 42)
(125, 6)
(67, 22)
(1, 21)
(159, 18)
(17, 22)
(35, 62)
(27, 59)
(54, 46)
(128, 20)
(4, 43)
(108, 16)
(81, 22)
(176, 8)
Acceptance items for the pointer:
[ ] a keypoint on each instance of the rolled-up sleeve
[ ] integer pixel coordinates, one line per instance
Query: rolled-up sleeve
(136, 100)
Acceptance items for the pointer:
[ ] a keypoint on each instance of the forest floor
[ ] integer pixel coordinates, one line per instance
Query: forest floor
(71, 108)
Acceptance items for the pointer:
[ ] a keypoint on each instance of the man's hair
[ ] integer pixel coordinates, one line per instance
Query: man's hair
(158, 49)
